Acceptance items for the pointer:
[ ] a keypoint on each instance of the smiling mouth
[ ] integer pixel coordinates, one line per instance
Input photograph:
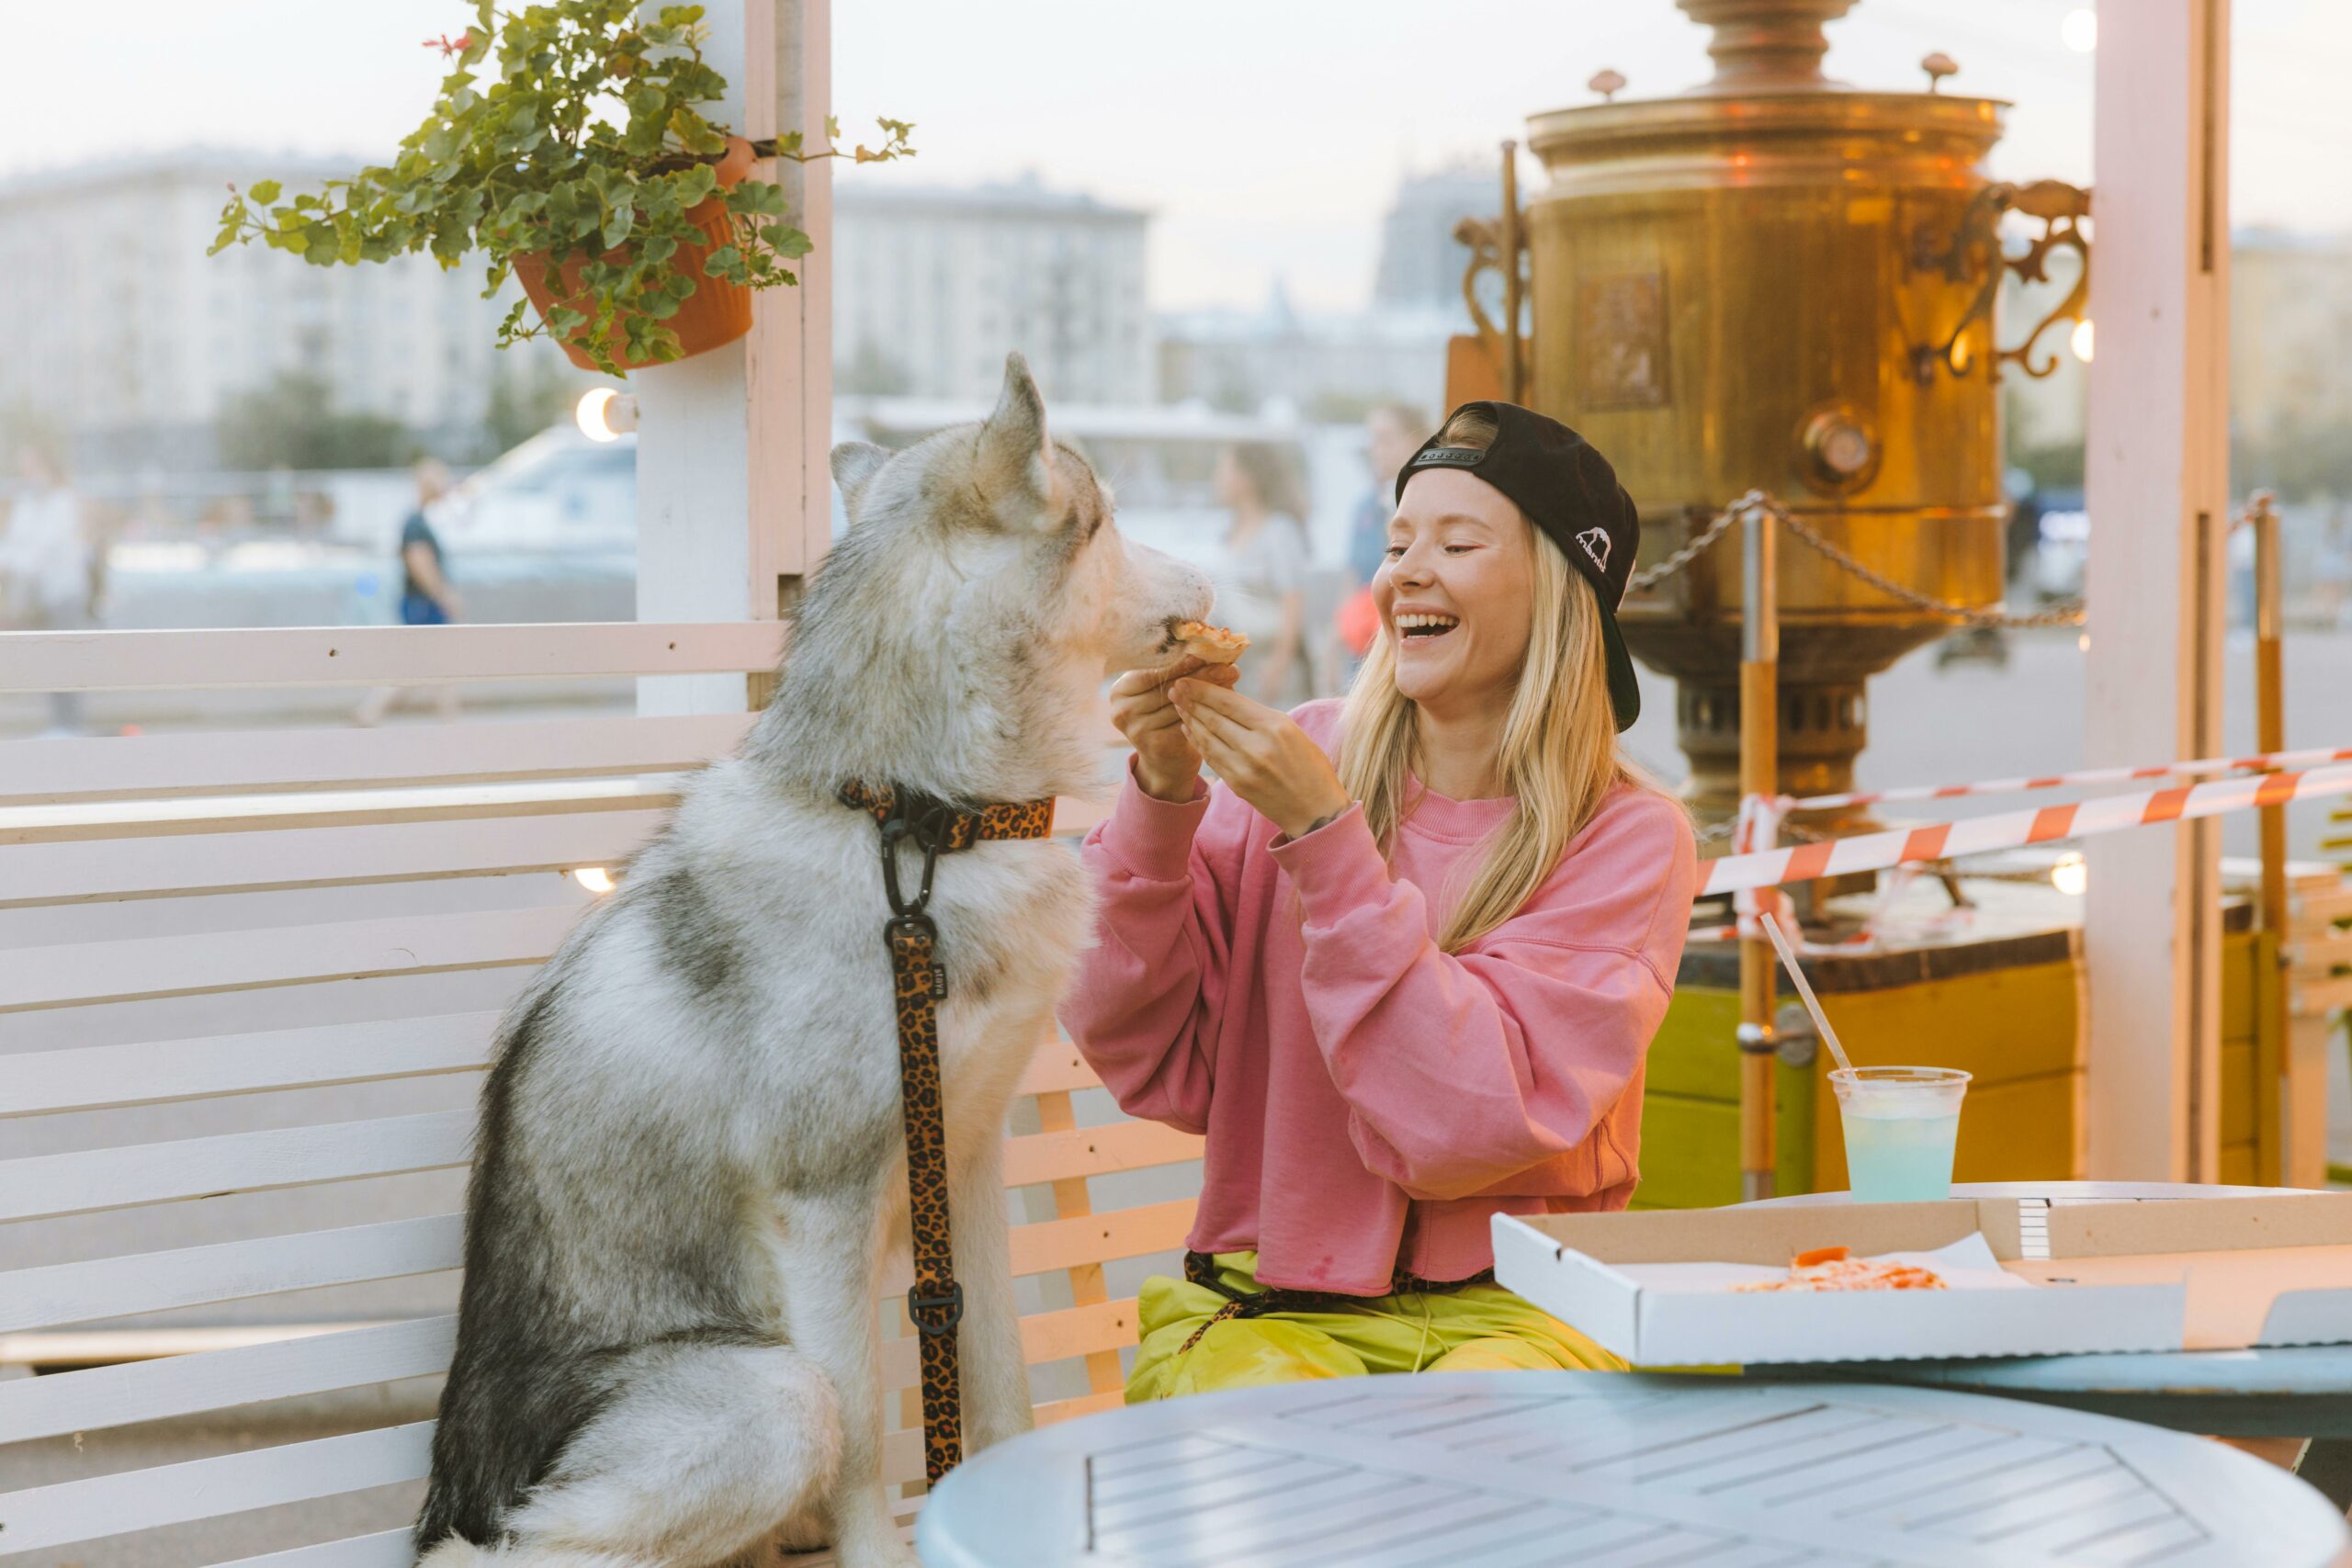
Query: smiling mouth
(1420, 628)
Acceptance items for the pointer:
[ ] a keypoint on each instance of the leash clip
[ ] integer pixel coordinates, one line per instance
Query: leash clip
(948, 1304)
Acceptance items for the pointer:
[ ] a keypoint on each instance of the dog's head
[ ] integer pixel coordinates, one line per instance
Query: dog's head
(1024, 527)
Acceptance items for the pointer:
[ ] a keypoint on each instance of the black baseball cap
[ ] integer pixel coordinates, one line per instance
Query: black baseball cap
(1571, 494)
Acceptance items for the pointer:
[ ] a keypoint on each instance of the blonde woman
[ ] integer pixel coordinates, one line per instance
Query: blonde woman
(1402, 964)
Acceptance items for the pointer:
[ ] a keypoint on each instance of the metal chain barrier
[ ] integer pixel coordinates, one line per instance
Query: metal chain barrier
(2069, 614)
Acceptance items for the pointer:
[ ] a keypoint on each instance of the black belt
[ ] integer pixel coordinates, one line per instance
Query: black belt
(1199, 1268)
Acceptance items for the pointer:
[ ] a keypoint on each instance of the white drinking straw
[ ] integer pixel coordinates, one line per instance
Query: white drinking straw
(1789, 961)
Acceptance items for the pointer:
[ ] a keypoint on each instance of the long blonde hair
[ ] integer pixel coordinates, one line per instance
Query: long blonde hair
(1558, 755)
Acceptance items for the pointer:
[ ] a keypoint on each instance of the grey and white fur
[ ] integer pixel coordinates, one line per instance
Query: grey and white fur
(690, 1167)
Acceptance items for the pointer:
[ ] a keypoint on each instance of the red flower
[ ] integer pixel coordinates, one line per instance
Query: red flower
(448, 46)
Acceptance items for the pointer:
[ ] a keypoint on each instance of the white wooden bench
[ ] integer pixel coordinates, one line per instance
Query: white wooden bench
(247, 986)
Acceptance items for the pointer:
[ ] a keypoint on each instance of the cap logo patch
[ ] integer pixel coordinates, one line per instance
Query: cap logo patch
(1451, 457)
(1596, 545)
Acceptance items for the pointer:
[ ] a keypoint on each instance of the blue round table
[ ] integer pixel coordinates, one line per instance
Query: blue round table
(1513, 1470)
(2293, 1391)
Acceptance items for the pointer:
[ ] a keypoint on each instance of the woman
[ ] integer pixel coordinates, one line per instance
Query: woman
(1401, 965)
(1261, 579)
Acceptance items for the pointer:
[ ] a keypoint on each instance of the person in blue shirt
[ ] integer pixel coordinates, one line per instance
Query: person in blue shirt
(426, 597)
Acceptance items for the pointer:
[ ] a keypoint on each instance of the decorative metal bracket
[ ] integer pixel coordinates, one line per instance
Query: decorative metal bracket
(1499, 245)
(1972, 250)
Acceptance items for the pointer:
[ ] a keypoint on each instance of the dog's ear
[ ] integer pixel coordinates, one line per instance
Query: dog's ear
(854, 465)
(1015, 456)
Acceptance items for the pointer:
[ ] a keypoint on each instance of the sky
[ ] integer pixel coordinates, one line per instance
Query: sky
(1264, 138)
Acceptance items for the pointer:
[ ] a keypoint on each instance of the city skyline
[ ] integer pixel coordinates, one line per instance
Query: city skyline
(1265, 142)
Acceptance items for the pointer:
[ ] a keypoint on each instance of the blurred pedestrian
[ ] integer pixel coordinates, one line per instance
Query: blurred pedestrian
(47, 583)
(1262, 576)
(426, 597)
(1395, 432)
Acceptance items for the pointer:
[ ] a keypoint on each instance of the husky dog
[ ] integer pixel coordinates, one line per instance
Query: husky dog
(690, 1164)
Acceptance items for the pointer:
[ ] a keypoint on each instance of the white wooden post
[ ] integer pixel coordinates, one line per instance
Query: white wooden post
(732, 496)
(2158, 485)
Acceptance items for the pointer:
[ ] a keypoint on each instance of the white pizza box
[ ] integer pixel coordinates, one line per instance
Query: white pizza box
(2221, 1273)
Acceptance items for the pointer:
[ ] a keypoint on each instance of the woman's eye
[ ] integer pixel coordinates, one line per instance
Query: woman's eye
(1459, 550)
(1394, 551)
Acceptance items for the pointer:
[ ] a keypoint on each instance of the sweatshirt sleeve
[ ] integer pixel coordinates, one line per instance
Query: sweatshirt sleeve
(1463, 1070)
(1144, 1004)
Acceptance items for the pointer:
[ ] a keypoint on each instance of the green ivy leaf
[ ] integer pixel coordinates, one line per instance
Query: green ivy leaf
(264, 191)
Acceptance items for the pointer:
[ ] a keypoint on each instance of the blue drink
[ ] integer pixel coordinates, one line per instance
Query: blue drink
(1900, 1125)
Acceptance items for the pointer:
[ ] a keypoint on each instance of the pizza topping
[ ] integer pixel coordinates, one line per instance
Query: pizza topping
(1211, 644)
(1835, 1269)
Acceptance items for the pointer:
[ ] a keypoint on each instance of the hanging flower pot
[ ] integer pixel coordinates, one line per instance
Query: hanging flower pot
(716, 313)
(584, 168)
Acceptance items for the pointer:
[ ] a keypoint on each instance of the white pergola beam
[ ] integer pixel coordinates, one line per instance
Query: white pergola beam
(2158, 488)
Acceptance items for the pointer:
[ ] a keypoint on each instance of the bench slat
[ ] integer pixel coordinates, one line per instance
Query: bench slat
(88, 870)
(385, 1548)
(1055, 1336)
(151, 767)
(182, 1385)
(89, 1077)
(1045, 1246)
(1056, 1068)
(86, 1181)
(279, 657)
(204, 962)
(72, 1511)
(228, 1271)
(1095, 1151)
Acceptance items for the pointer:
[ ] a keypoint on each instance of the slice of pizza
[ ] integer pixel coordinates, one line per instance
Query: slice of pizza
(1835, 1268)
(1211, 644)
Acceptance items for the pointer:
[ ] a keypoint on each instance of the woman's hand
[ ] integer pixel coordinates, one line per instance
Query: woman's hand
(1166, 764)
(1261, 755)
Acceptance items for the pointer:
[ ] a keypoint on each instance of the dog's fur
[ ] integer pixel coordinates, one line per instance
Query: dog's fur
(690, 1162)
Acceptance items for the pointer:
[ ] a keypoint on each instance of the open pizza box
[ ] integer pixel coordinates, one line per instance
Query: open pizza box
(1658, 1288)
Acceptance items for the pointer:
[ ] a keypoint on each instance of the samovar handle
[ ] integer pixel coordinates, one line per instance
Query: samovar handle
(1498, 244)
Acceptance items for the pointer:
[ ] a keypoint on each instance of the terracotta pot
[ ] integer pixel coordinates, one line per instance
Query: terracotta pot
(716, 313)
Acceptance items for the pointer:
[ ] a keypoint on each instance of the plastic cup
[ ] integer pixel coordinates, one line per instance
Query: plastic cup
(1901, 1125)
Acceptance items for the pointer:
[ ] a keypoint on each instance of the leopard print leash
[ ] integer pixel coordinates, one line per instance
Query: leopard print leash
(935, 1301)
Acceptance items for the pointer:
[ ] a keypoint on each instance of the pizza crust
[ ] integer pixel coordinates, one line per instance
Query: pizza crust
(1211, 644)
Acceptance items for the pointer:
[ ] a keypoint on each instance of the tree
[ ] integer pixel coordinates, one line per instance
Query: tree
(525, 399)
(293, 424)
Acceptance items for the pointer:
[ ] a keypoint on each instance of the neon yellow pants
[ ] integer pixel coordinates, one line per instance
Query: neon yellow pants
(1481, 1328)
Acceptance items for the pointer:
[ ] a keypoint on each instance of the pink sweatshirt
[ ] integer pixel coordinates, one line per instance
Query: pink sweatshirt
(1368, 1099)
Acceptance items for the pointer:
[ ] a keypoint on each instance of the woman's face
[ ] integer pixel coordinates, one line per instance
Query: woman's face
(1455, 590)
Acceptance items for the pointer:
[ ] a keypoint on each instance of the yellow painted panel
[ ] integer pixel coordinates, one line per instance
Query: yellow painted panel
(2018, 1130)
(2237, 1165)
(2237, 985)
(1694, 1053)
(2239, 1098)
(1689, 1153)
(2000, 1025)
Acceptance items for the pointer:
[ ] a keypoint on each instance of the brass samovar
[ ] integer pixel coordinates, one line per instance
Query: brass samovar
(1781, 283)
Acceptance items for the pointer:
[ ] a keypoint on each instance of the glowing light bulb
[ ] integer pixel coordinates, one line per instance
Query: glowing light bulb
(2071, 874)
(2079, 340)
(604, 414)
(2080, 29)
(594, 878)
(2083, 643)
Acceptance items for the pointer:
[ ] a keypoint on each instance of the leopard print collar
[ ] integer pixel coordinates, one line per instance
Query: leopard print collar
(946, 826)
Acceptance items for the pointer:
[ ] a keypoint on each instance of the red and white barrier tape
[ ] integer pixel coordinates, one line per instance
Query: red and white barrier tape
(2276, 760)
(2014, 830)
